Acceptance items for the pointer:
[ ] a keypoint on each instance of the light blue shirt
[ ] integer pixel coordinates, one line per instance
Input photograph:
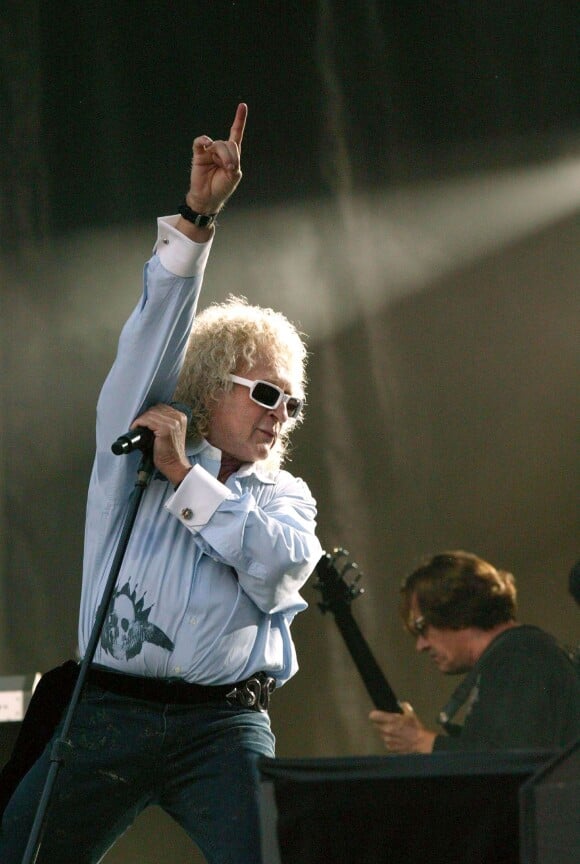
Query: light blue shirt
(211, 578)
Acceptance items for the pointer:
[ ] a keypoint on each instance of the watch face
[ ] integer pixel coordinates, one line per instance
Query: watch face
(204, 221)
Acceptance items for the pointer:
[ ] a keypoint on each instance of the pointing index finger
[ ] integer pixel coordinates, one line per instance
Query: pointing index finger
(239, 124)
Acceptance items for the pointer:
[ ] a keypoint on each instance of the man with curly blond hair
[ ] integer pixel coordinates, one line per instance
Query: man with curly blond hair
(234, 335)
(197, 634)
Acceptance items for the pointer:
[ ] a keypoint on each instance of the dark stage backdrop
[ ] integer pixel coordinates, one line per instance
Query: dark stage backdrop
(410, 198)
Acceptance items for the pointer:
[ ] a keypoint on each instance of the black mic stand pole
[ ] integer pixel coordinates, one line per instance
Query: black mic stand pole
(62, 749)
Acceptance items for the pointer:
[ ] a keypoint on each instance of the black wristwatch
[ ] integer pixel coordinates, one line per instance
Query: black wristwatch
(199, 219)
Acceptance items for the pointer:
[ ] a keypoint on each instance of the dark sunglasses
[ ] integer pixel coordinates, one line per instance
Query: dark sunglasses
(269, 396)
(418, 625)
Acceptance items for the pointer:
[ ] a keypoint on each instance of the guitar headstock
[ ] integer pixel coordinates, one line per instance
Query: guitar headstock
(336, 592)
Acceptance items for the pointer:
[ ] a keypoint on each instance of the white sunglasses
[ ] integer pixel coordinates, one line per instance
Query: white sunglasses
(269, 396)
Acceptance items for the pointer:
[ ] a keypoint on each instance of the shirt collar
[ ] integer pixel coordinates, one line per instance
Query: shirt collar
(203, 450)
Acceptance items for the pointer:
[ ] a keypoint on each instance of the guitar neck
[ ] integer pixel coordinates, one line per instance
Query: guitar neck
(377, 686)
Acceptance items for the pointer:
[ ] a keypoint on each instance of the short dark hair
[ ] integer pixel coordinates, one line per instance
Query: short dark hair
(455, 590)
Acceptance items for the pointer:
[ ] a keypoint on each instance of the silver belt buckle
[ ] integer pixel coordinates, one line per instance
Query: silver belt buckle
(254, 693)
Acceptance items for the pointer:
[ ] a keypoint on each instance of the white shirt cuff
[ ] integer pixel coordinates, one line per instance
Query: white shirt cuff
(197, 498)
(177, 253)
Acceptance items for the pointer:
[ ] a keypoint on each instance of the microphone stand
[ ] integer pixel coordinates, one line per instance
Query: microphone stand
(62, 748)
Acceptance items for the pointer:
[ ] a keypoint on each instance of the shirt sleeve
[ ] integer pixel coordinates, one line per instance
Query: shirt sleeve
(197, 498)
(152, 343)
(271, 545)
(178, 254)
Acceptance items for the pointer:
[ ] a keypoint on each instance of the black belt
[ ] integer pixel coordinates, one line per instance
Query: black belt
(252, 693)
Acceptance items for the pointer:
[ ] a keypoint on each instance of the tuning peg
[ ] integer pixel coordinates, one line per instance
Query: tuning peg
(354, 589)
(338, 552)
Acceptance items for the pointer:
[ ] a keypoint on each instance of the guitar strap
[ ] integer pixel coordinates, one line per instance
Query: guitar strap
(466, 690)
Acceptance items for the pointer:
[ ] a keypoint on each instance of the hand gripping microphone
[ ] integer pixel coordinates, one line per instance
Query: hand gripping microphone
(141, 438)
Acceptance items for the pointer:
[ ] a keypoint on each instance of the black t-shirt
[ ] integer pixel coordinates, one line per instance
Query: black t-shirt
(523, 692)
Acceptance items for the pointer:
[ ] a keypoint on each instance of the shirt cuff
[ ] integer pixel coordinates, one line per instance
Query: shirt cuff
(177, 253)
(197, 498)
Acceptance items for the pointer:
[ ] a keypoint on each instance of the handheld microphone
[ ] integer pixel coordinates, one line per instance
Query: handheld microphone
(141, 438)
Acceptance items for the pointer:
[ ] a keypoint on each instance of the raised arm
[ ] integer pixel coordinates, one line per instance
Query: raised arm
(153, 340)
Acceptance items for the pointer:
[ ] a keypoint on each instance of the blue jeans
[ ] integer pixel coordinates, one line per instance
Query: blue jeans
(197, 762)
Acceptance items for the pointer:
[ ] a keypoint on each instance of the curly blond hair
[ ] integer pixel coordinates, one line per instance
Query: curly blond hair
(233, 337)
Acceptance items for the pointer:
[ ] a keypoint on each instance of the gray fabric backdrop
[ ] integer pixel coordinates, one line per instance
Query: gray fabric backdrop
(410, 198)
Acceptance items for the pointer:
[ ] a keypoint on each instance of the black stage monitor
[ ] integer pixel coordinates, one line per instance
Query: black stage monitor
(550, 811)
(441, 808)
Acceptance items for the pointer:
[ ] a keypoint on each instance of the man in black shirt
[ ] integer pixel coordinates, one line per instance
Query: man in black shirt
(521, 689)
